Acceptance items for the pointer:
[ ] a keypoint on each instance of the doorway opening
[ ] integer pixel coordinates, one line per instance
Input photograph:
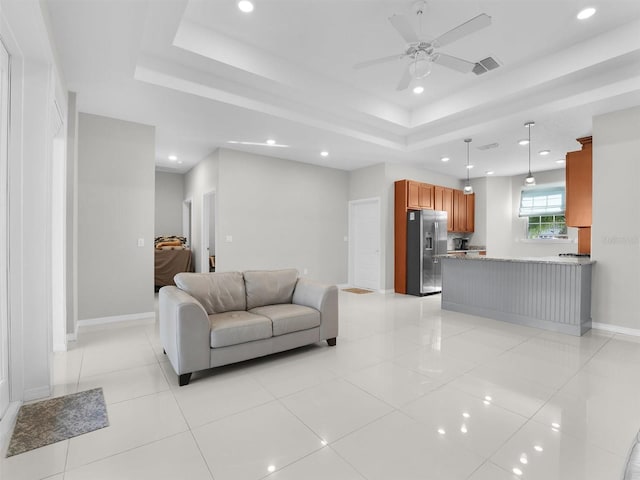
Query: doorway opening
(208, 257)
(186, 221)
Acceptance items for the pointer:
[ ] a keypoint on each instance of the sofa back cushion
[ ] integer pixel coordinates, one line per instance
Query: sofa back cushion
(266, 287)
(217, 292)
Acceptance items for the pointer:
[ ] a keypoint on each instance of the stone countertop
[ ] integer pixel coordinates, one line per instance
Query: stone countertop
(468, 250)
(555, 260)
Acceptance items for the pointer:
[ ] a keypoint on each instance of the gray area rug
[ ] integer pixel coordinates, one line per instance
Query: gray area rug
(50, 421)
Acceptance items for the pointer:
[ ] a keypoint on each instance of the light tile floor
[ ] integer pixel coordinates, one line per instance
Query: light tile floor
(410, 392)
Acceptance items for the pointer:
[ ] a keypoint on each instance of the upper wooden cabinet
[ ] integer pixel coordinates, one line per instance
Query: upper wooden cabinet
(579, 185)
(419, 195)
(463, 212)
(471, 212)
(443, 200)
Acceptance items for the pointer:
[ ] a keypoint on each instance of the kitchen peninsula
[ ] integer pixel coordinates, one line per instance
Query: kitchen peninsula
(553, 293)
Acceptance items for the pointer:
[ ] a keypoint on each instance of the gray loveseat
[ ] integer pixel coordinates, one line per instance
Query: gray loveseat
(213, 319)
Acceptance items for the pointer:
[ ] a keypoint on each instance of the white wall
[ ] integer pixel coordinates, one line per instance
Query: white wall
(498, 203)
(498, 213)
(169, 194)
(615, 244)
(116, 167)
(378, 181)
(281, 214)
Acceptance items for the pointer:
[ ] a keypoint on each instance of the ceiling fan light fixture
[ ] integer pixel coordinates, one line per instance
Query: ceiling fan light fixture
(420, 68)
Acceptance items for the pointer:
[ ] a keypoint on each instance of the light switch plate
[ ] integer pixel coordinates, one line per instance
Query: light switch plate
(229, 238)
(141, 242)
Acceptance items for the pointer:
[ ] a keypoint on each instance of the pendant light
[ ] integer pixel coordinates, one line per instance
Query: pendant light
(468, 189)
(530, 180)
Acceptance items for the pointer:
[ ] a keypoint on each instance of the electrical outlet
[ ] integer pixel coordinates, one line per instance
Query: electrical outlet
(229, 238)
(141, 242)
(305, 271)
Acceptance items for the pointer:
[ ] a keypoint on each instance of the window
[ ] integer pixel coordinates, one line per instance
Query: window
(543, 207)
(546, 227)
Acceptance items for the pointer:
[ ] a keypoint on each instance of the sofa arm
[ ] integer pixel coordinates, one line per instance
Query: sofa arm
(184, 331)
(323, 298)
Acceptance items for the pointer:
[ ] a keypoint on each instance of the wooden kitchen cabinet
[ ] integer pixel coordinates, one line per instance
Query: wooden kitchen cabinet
(463, 212)
(419, 195)
(443, 200)
(579, 180)
(471, 212)
(410, 195)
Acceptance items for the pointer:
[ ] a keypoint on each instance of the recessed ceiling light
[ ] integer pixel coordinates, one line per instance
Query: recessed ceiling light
(489, 172)
(271, 141)
(469, 167)
(544, 152)
(324, 153)
(179, 162)
(418, 89)
(538, 448)
(524, 141)
(561, 161)
(173, 158)
(586, 13)
(445, 159)
(245, 6)
(517, 471)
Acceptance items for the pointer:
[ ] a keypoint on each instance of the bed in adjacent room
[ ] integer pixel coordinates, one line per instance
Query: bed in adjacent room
(172, 255)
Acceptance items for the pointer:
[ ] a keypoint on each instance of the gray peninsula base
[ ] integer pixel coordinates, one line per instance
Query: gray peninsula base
(548, 292)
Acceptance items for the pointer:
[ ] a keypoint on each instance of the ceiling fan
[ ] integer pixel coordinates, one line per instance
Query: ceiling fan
(424, 54)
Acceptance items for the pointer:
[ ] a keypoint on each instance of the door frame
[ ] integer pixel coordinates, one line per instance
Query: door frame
(206, 224)
(351, 255)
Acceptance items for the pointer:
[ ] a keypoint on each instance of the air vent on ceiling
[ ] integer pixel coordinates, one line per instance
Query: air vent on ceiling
(489, 146)
(483, 66)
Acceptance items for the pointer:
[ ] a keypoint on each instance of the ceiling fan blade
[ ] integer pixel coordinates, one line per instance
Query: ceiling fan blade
(404, 28)
(376, 61)
(454, 63)
(476, 23)
(406, 79)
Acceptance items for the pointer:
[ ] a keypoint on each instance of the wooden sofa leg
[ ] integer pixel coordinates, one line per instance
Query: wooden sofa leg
(184, 379)
(332, 341)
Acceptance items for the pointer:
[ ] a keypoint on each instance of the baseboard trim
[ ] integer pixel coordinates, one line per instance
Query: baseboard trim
(607, 327)
(145, 317)
(73, 337)
(6, 425)
(342, 285)
(387, 291)
(37, 393)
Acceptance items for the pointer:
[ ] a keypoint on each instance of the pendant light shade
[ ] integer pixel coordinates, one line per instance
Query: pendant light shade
(468, 189)
(530, 180)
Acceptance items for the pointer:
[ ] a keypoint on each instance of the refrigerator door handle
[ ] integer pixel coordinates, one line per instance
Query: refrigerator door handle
(435, 246)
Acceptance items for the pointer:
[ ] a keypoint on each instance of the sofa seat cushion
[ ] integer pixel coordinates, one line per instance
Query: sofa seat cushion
(289, 317)
(232, 328)
(216, 292)
(269, 287)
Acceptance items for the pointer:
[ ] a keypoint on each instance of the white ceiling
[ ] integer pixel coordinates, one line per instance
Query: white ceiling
(205, 74)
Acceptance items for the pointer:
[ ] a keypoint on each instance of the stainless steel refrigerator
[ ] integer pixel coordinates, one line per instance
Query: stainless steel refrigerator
(426, 238)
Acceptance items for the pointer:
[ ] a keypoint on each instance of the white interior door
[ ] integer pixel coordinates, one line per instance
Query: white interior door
(4, 231)
(364, 243)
